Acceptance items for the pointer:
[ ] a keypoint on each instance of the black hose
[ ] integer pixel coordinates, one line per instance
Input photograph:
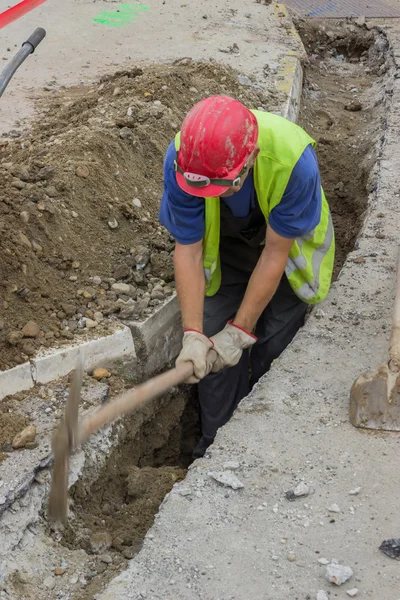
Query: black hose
(28, 48)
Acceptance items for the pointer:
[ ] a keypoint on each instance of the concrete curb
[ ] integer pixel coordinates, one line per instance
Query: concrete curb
(52, 365)
(290, 75)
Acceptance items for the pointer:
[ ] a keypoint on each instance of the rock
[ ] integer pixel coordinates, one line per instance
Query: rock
(391, 548)
(125, 133)
(129, 309)
(139, 277)
(26, 436)
(127, 553)
(136, 202)
(101, 374)
(24, 216)
(98, 316)
(28, 348)
(96, 280)
(334, 508)
(319, 313)
(19, 185)
(321, 595)
(323, 561)
(49, 583)
(231, 465)
(76, 264)
(360, 21)
(301, 490)
(59, 571)
(355, 492)
(74, 214)
(291, 557)
(82, 171)
(22, 577)
(142, 256)
(157, 295)
(90, 324)
(338, 574)
(353, 106)
(122, 271)
(121, 288)
(105, 558)
(31, 329)
(51, 191)
(69, 309)
(100, 542)
(14, 337)
(36, 247)
(228, 479)
(113, 223)
(24, 240)
(353, 592)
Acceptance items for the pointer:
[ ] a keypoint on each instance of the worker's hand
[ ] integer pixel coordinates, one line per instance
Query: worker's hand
(229, 345)
(196, 347)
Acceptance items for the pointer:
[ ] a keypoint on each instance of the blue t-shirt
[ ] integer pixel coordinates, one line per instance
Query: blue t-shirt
(297, 214)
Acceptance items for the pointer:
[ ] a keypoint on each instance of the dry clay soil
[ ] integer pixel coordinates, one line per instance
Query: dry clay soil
(79, 201)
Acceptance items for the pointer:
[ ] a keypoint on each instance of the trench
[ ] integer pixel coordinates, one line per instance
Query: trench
(343, 109)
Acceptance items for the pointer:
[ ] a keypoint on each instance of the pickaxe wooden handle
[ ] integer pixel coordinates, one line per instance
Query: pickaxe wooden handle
(71, 434)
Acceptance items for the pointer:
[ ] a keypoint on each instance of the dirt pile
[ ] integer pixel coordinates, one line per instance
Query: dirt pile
(79, 202)
(343, 108)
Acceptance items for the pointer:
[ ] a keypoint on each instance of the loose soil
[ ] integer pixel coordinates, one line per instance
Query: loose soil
(343, 110)
(79, 201)
(10, 425)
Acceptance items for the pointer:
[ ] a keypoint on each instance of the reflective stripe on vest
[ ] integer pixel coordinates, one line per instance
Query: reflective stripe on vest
(310, 262)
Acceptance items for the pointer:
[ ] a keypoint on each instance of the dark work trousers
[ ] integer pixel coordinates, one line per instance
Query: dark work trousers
(220, 393)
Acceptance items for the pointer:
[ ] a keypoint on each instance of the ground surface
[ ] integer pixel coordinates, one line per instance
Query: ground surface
(210, 541)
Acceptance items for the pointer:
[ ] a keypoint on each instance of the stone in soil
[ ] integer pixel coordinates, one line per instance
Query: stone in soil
(338, 574)
(25, 437)
(31, 329)
(10, 425)
(100, 541)
(100, 373)
(227, 479)
(391, 548)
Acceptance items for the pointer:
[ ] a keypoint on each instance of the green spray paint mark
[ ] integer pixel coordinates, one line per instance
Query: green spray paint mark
(123, 15)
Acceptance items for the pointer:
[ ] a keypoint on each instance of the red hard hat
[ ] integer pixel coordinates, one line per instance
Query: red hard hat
(217, 137)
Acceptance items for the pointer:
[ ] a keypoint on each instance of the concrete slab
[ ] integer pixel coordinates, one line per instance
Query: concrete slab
(16, 380)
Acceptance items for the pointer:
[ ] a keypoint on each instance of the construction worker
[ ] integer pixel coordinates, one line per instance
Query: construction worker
(254, 245)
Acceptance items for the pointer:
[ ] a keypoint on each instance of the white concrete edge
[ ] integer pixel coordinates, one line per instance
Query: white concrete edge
(49, 366)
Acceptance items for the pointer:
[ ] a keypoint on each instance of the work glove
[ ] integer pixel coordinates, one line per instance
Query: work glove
(196, 348)
(229, 345)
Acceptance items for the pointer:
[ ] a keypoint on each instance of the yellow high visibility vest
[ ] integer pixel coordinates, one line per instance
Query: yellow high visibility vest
(310, 262)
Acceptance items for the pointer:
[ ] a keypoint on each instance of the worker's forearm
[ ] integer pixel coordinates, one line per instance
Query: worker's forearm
(261, 287)
(190, 288)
